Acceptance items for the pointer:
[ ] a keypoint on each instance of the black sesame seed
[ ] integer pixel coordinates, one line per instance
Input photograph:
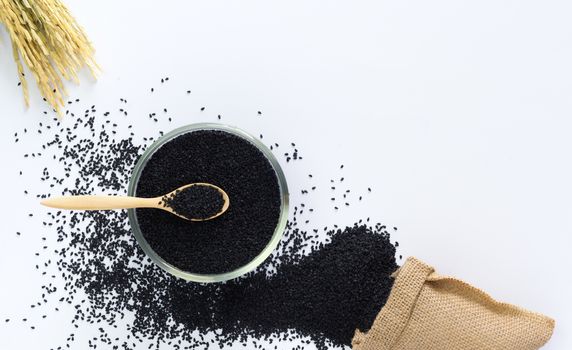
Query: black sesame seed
(196, 202)
(214, 157)
(170, 311)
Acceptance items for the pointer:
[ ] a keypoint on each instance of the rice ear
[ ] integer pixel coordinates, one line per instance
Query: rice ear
(48, 40)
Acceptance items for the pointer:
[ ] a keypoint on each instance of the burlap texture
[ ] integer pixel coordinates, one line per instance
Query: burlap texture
(428, 311)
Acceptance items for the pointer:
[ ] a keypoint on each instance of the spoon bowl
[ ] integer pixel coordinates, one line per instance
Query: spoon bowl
(164, 206)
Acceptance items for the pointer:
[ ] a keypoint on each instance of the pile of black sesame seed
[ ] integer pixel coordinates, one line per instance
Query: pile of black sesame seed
(323, 295)
(195, 202)
(242, 171)
(328, 294)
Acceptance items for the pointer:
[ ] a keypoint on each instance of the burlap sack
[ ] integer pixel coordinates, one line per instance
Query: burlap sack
(428, 311)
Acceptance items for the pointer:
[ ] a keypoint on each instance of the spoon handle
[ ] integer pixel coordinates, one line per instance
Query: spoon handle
(100, 202)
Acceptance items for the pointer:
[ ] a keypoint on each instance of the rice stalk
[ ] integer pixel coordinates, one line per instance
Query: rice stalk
(47, 39)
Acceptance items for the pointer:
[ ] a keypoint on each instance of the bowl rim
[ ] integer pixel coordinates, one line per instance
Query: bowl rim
(209, 278)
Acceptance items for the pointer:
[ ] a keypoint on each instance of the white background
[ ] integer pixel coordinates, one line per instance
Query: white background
(457, 113)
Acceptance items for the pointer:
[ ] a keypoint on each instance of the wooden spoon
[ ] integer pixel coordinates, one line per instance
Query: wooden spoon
(90, 202)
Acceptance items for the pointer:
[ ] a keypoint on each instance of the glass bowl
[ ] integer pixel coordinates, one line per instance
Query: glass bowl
(208, 278)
